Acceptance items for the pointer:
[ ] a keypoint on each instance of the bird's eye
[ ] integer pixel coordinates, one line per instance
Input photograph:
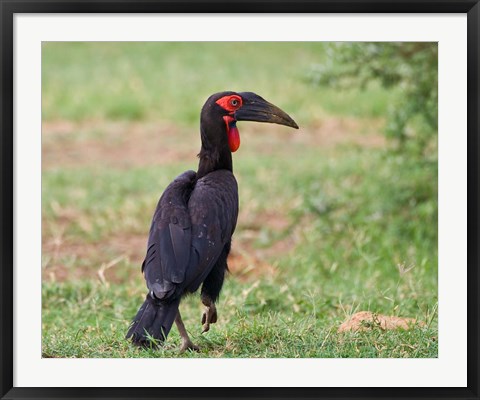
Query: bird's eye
(230, 103)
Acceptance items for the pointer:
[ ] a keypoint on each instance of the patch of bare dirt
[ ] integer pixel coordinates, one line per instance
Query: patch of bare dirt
(247, 266)
(249, 260)
(120, 145)
(106, 260)
(366, 320)
(334, 131)
(111, 259)
(325, 133)
(127, 144)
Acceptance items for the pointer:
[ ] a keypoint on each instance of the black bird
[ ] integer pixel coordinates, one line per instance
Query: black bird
(191, 231)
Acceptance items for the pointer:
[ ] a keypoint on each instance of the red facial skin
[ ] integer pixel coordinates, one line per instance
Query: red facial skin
(231, 104)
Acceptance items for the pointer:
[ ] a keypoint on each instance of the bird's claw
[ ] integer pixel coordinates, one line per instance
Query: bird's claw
(209, 317)
(188, 345)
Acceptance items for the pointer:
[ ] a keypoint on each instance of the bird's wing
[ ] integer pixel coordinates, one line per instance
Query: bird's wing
(213, 208)
(169, 242)
(192, 224)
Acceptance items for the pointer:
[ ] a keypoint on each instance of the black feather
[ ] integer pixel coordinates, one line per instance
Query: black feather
(153, 319)
(192, 225)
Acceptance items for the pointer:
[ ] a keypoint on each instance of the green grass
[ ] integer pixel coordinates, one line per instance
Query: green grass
(347, 259)
(325, 230)
(171, 81)
(95, 327)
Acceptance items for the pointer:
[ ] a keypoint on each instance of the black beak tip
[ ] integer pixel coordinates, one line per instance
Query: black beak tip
(256, 108)
(288, 121)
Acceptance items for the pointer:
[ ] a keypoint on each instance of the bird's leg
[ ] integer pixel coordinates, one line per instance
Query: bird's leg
(210, 313)
(186, 342)
(211, 289)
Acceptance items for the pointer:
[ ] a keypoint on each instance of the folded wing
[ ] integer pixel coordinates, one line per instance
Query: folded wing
(193, 222)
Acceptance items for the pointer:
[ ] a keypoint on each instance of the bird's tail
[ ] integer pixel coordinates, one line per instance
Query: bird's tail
(153, 320)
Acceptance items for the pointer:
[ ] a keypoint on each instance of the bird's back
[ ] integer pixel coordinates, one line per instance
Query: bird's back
(193, 222)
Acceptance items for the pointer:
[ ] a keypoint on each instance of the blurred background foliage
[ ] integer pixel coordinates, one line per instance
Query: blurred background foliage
(336, 218)
(412, 118)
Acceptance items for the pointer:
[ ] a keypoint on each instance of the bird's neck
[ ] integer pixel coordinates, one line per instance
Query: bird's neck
(213, 157)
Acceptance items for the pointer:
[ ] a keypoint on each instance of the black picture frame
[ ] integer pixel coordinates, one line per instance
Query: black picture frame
(9, 8)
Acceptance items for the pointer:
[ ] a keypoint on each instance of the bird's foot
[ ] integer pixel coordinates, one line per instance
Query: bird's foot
(188, 345)
(209, 317)
(186, 342)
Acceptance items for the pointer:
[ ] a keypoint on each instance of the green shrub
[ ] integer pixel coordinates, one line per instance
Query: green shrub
(411, 68)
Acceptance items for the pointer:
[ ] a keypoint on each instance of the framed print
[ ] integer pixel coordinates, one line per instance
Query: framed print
(240, 200)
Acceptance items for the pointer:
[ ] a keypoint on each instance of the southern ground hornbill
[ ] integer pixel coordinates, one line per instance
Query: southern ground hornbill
(192, 227)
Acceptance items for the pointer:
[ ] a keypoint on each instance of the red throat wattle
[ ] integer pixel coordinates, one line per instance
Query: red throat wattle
(232, 133)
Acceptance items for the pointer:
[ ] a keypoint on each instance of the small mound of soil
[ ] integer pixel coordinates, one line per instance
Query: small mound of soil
(366, 320)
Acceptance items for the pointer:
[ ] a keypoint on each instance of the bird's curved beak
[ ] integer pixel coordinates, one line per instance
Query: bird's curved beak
(255, 108)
